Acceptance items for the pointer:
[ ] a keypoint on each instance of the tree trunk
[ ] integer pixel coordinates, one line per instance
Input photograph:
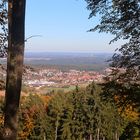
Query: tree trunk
(98, 134)
(90, 136)
(16, 19)
(116, 136)
(44, 136)
(56, 129)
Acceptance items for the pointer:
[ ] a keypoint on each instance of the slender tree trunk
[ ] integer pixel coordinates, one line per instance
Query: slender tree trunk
(116, 136)
(98, 134)
(16, 19)
(56, 129)
(44, 136)
(90, 136)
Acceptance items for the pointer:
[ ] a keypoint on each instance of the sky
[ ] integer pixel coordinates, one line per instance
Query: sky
(63, 26)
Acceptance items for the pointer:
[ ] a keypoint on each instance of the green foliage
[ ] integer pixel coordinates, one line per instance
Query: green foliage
(106, 116)
(132, 131)
(82, 114)
(122, 19)
(128, 93)
(32, 119)
(76, 115)
(125, 96)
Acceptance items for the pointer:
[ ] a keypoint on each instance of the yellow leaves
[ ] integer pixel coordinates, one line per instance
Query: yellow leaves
(31, 109)
(27, 129)
(130, 113)
(46, 99)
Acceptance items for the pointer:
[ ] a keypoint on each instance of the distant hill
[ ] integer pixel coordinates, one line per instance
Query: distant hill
(67, 60)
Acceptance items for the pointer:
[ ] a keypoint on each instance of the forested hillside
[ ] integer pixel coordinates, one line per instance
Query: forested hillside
(76, 115)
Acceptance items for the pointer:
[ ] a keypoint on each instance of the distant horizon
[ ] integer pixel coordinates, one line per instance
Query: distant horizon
(84, 52)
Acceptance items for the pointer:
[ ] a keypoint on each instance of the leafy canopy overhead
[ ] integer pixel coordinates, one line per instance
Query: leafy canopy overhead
(122, 19)
(119, 17)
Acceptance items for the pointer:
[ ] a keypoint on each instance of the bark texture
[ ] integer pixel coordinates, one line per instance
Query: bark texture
(16, 23)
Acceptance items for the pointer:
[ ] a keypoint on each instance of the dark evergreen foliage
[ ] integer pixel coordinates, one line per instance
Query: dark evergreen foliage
(82, 114)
